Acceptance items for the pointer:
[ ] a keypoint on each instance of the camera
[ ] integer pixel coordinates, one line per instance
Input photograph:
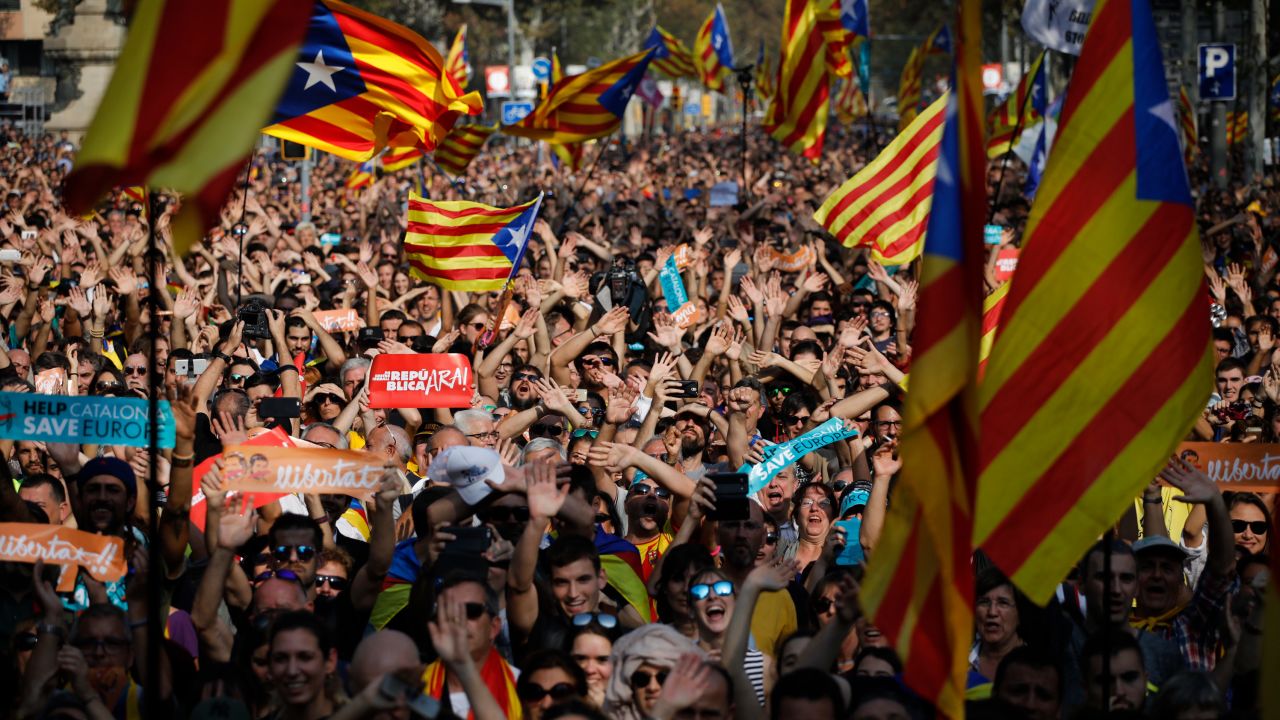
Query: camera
(369, 337)
(626, 289)
(254, 317)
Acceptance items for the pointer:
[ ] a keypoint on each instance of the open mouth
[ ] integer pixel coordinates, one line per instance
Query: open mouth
(715, 612)
(774, 496)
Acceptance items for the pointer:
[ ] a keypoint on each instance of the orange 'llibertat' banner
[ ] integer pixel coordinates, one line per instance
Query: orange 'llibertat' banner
(1251, 467)
(347, 320)
(102, 556)
(250, 468)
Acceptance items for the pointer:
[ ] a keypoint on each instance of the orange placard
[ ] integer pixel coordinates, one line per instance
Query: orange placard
(1252, 467)
(250, 468)
(102, 556)
(793, 262)
(684, 256)
(686, 315)
(347, 320)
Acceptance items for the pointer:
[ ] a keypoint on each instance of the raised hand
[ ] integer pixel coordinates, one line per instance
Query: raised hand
(702, 236)
(1196, 487)
(885, 461)
(614, 456)
(229, 429)
(89, 277)
(544, 495)
(186, 304)
(211, 485)
(752, 291)
(1217, 286)
(737, 310)
(621, 405)
(449, 635)
(528, 325)
(126, 280)
(731, 260)
(235, 528)
(666, 333)
(907, 300)
(684, 686)
(815, 282)
(613, 322)
(774, 575)
(553, 397)
(720, 339)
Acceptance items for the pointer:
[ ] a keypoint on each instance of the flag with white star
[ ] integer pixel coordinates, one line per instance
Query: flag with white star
(362, 83)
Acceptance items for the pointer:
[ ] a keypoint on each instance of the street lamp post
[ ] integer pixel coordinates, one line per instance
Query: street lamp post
(510, 6)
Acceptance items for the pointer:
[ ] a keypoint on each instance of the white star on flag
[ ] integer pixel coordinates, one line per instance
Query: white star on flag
(318, 73)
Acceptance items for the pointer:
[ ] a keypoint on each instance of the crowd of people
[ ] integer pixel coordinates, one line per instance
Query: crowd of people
(569, 545)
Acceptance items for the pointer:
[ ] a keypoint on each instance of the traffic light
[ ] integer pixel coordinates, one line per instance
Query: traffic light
(290, 150)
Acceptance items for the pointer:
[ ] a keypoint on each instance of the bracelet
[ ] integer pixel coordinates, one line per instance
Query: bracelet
(287, 366)
(182, 461)
(321, 520)
(1151, 501)
(593, 332)
(57, 631)
(97, 333)
(219, 355)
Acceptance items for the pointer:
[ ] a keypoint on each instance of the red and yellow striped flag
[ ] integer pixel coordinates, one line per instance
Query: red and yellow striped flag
(461, 245)
(992, 306)
(1018, 112)
(797, 114)
(886, 204)
(851, 104)
(361, 177)
(837, 37)
(192, 78)
(364, 83)
(1103, 360)
(765, 75)
(919, 584)
(461, 147)
(1237, 126)
(569, 154)
(1187, 121)
(585, 106)
(909, 87)
(671, 57)
(399, 158)
(455, 63)
(711, 51)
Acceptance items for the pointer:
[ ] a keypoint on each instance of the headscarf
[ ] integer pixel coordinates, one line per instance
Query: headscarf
(657, 645)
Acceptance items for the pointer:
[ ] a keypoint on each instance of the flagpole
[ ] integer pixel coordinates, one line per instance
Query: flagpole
(744, 81)
(1017, 130)
(577, 194)
(152, 709)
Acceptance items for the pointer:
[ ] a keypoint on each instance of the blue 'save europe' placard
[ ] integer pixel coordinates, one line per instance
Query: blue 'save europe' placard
(81, 420)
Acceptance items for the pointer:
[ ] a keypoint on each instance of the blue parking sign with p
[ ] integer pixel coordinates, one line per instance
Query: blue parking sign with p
(1217, 71)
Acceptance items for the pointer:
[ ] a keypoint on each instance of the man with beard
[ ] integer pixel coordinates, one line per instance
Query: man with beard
(776, 499)
(524, 392)
(694, 430)
(108, 490)
(32, 457)
(648, 508)
(775, 614)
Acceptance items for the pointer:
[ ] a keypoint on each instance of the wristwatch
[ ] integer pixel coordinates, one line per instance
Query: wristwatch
(221, 356)
(57, 631)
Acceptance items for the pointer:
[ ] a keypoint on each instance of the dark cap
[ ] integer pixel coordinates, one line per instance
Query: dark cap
(114, 467)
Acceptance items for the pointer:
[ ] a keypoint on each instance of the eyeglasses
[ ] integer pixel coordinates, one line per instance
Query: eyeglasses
(592, 361)
(531, 377)
(266, 575)
(474, 610)
(533, 693)
(491, 435)
(641, 679)
(889, 423)
(546, 430)
(502, 514)
(25, 641)
(134, 370)
(109, 387)
(593, 434)
(323, 398)
(283, 553)
(824, 503)
(335, 582)
(879, 313)
(479, 327)
(640, 490)
(605, 620)
(771, 539)
(1258, 527)
(102, 645)
(793, 419)
(701, 591)
(822, 606)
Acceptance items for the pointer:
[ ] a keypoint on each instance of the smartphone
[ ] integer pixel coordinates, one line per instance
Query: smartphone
(10, 255)
(394, 687)
(28, 234)
(580, 395)
(369, 337)
(731, 497)
(191, 368)
(470, 541)
(274, 407)
(851, 552)
(687, 389)
(302, 278)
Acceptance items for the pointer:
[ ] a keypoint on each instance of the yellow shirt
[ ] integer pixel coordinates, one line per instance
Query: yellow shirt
(1175, 513)
(773, 620)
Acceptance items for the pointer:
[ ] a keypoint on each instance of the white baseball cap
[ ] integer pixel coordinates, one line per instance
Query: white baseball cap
(467, 468)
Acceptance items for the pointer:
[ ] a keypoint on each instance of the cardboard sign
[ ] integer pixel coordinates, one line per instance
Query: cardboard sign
(249, 468)
(683, 255)
(332, 321)
(777, 457)
(1251, 467)
(81, 420)
(102, 556)
(200, 511)
(51, 382)
(793, 262)
(683, 311)
(443, 380)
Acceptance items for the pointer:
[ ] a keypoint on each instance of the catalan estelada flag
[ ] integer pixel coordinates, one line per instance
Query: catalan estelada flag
(461, 147)
(361, 177)
(1103, 359)
(567, 154)
(797, 114)
(1237, 126)
(851, 104)
(856, 18)
(194, 84)
(836, 36)
(462, 245)
(992, 305)
(455, 63)
(1187, 123)
(670, 56)
(886, 204)
(909, 87)
(918, 589)
(713, 50)
(1022, 109)
(362, 83)
(586, 106)
(765, 74)
(399, 158)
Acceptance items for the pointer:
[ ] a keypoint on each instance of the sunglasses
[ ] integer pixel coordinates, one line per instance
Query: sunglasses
(546, 430)
(602, 518)
(237, 377)
(839, 485)
(771, 539)
(532, 693)
(135, 370)
(701, 591)
(822, 606)
(780, 391)
(793, 419)
(337, 583)
(266, 575)
(640, 490)
(1259, 527)
(323, 398)
(593, 434)
(605, 620)
(102, 645)
(479, 327)
(282, 553)
(25, 641)
(641, 679)
(531, 377)
(501, 514)
(824, 503)
(592, 361)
